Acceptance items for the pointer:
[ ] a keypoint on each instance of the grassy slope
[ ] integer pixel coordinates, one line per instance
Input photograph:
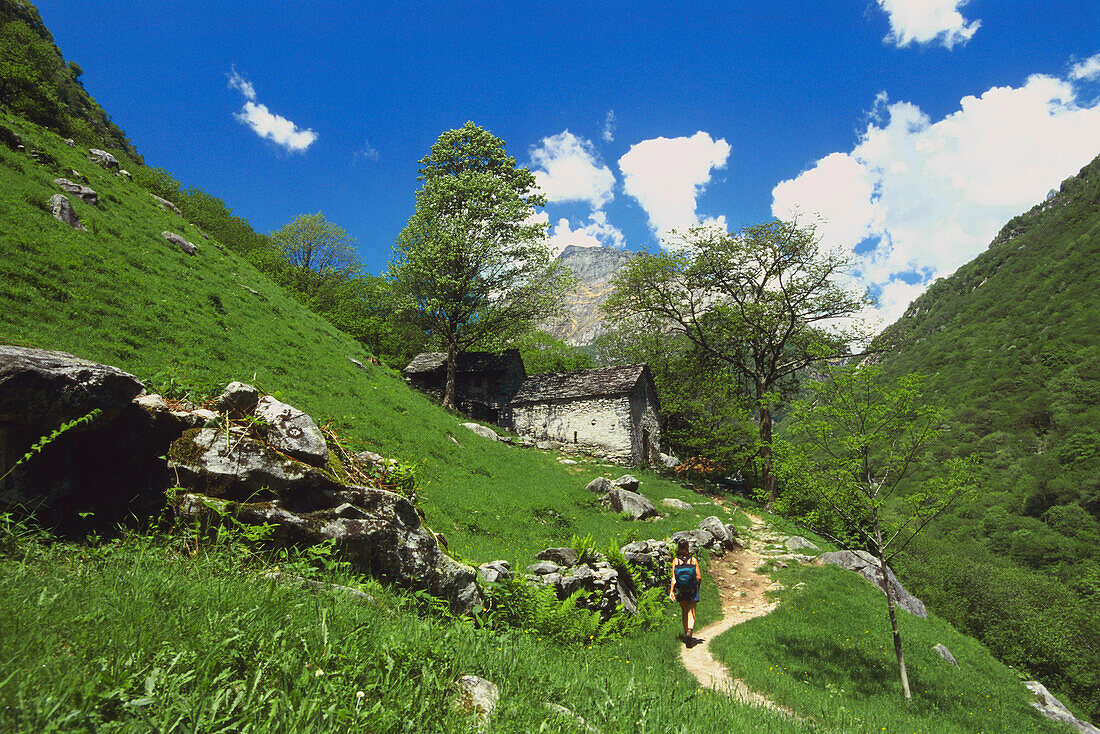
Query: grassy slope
(1010, 346)
(112, 621)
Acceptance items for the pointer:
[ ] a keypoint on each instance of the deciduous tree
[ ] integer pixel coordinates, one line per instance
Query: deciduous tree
(767, 302)
(471, 264)
(863, 435)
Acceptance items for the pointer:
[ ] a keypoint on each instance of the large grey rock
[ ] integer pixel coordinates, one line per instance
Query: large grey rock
(697, 538)
(668, 461)
(86, 193)
(180, 242)
(723, 538)
(62, 210)
(543, 567)
(45, 389)
(601, 485)
(944, 653)
(560, 556)
(292, 431)
(627, 482)
(648, 554)
(384, 537)
(477, 696)
(631, 504)
(96, 474)
(103, 158)
(867, 566)
(215, 464)
(797, 542)
(238, 399)
(495, 571)
(483, 431)
(167, 205)
(675, 503)
(1054, 709)
(581, 577)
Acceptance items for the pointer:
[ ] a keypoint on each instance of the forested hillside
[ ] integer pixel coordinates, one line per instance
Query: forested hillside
(1010, 347)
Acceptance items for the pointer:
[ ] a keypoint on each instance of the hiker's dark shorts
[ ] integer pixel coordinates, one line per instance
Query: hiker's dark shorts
(685, 595)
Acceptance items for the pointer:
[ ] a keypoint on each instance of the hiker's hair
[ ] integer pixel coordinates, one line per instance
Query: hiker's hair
(683, 548)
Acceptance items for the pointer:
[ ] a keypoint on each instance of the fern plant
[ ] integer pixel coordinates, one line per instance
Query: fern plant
(56, 433)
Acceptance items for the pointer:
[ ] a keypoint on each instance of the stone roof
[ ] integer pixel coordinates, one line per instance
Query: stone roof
(582, 383)
(467, 361)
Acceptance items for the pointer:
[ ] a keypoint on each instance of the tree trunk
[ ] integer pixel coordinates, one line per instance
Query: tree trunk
(767, 476)
(452, 369)
(879, 552)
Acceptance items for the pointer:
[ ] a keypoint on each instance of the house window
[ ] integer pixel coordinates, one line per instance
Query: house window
(574, 436)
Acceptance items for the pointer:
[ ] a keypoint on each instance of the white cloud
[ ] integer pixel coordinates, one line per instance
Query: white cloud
(266, 124)
(598, 232)
(666, 176)
(608, 133)
(925, 21)
(238, 82)
(927, 197)
(276, 128)
(1086, 70)
(567, 168)
(367, 152)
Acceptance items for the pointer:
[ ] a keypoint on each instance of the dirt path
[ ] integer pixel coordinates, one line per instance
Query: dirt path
(741, 590)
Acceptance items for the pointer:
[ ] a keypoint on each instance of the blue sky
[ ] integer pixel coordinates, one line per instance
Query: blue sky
(910, 129)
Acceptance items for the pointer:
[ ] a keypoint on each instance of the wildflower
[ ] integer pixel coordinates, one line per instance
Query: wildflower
(319, 673)
(360, 695)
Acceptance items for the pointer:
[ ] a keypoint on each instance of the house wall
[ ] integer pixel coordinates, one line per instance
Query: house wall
(646, 422)
(595, 424)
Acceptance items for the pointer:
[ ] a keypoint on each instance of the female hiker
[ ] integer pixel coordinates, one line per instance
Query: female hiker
(684, 586)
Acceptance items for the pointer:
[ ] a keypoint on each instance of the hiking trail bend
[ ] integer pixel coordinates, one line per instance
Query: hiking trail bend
(741, 589)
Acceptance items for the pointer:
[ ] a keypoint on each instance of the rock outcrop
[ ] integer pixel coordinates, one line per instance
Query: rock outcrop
(867, 566)
(86, 193)
(594, 268)
(62, 210)
(180, 242)
(103, 158)
(630, 504)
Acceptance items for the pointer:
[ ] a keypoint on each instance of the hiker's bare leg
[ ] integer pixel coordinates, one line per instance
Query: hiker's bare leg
(689, 618)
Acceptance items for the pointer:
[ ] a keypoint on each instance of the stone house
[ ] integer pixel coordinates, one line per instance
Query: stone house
(611, 411)
(484, 382)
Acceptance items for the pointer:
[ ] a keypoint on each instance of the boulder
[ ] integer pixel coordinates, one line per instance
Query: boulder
(63, 483)
(944, 653)
(675, 503)
(649, 554)
(601, 485)
(220, 465)
(123, 173)
(627, 482)
(723, 538)
(495, 571)
(1054, 709)
(167, 205)
(631, 504)
(478, 697)
(668, 461)
(62, 210)
(696, 539)
(85, 193)
(382, 537)
(483, 431)
(797, 542)
(543, 445)
(292, 431)
(867, 566)
(543, 567)
(103, 158)
(581, 577)
(45, 389)
(238, 399)
(69, 142)
(180, 242)
(560, 556)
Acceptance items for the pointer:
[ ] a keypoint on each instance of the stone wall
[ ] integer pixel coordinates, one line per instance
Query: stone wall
(593, 424)
(646, 438)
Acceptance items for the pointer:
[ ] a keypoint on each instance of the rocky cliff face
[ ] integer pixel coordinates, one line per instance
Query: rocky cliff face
(594, 268)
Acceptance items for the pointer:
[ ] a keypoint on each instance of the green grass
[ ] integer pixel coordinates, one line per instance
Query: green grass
(136, 635)
(827, 652)
(123, 296)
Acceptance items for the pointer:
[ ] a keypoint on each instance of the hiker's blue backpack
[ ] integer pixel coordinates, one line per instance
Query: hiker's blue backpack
(685, 576)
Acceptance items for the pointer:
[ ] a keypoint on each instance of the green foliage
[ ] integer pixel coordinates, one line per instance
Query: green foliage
(38, 86)
(758, 303)
(470, 266)
(311, 242)
(541, 353)
(585, 546)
